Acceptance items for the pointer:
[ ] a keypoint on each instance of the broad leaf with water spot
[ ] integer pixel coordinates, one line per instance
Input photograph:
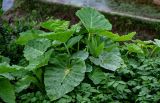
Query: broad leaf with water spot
(62, 78)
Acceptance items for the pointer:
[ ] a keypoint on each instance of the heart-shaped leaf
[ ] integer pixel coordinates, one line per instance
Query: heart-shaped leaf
(61, 79)
(93, 20)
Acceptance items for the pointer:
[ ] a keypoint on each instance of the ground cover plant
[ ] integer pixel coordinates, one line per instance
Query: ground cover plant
(82, 63)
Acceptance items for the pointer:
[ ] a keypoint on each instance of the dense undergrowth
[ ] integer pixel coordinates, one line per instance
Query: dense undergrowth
(82, 63)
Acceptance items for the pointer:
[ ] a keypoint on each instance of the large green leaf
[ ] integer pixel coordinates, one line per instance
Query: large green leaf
(7, 93)
(8, 76)
(61, 79)
(34, 34)
(36, 48)
(73, 41)
(126, 37)
(55, 25)
(108, 60)
(27, 36)
(40, 61)
(4, 59)
(59, 36)
(116, 37)
(24, 83)
(81, 54)
(157, 42)
(6, 68)
(93, 20)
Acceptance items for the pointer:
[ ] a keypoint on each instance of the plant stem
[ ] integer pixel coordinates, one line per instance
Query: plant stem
(78, 46)
(153, 51)
(67, 49)
(89, 36)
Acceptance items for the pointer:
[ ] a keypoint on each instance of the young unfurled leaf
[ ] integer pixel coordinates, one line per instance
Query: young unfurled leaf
(55, 25)
(7, 93)
(99, 49)
(96, 46)
(93, 20)
(61, 79)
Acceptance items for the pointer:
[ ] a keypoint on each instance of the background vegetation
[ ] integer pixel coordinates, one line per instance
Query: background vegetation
(128, 73)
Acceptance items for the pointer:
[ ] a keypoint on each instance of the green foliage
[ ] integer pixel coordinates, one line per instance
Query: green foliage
(33, 97)
(62, 78)
(36, 48)
(55, 25)
(116, 37)
(35, 34)
(7, 91)
(83, 63)
(93, 20)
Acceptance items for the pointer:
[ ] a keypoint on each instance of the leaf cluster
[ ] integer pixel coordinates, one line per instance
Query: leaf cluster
(84, 62)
